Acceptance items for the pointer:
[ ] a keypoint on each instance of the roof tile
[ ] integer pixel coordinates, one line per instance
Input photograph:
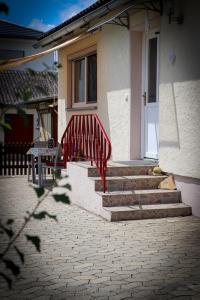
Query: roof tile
(15, 82)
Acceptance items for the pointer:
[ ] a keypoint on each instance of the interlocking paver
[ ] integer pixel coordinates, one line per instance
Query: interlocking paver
(85, 257)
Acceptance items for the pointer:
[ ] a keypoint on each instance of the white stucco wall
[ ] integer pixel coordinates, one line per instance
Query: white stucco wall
(27, 47)
(180, 92)
(113, 86)
(114, 93)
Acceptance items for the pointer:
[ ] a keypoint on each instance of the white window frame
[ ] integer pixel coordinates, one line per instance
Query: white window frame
(85, 103)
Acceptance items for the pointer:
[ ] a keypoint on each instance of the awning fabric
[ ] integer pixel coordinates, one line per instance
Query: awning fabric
(11, 63)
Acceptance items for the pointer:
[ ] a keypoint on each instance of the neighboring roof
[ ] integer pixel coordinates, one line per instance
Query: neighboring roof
(11, 30)
(84, 12)
(42, 86)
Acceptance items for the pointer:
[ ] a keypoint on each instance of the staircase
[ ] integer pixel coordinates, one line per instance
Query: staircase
(131, 193)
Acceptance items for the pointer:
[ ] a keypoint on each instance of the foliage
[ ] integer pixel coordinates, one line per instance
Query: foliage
(11, 269)
(4, 8)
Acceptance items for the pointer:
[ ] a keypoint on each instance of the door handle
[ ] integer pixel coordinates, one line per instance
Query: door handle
(144, 98)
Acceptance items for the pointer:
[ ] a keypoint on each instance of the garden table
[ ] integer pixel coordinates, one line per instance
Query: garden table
(39, 152)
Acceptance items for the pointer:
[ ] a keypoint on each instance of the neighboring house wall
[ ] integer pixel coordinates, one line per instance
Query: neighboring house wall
(27, 47)
(180, 93)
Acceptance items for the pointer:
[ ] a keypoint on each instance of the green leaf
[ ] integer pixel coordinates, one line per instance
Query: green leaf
(57, 65)
(47, 67)
(4, 8)
(61, 198)
(18, 94)
(68, 186)
(21, 255)
(15, 269)
(57, 174)
(35, 240)
(41, 90)
(32, 72)
(5, 126)
(7, 279)
(8, 231)
(43, 214)
(21, 112)
(39, 191)
(10, 221)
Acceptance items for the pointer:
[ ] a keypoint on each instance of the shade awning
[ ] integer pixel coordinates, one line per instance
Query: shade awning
(11, 63)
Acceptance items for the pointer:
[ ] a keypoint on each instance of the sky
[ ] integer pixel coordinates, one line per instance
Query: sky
(43, 14)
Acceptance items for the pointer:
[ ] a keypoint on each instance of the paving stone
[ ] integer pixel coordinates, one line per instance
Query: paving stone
(85, 257)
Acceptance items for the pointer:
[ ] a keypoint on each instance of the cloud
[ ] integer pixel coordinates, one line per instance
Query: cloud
(71, 10)
(38, 24)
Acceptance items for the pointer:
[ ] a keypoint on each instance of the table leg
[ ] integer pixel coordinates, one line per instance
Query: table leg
(33, 168)
(39, 171)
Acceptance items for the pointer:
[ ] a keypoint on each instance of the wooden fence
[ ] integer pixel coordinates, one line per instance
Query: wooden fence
(13, 159)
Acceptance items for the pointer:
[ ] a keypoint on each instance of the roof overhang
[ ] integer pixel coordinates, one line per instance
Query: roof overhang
(82, 22)
(103, 15)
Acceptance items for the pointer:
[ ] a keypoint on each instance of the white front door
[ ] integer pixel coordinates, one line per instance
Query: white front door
(150, 97)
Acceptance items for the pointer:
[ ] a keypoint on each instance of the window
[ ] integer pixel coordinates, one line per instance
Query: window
(84, 80)
(152, 73)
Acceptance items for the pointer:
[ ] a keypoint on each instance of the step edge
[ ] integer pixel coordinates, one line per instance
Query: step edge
(179, 206)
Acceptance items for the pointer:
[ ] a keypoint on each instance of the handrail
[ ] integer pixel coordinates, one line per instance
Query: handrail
(85, 138)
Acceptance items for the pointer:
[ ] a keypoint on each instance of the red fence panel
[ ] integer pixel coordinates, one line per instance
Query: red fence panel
(85, 138)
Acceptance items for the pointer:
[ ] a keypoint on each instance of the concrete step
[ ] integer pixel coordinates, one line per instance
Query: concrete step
(142, 197)
(127, 183)
(122, 170)
(122, 213)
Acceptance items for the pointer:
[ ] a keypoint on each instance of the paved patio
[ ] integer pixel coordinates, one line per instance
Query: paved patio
(85, 257)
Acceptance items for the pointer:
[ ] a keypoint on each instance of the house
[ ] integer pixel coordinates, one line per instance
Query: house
(17, 41)
(36, 95)
(136, 64)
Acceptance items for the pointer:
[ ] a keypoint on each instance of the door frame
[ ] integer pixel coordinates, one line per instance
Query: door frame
(145, 47)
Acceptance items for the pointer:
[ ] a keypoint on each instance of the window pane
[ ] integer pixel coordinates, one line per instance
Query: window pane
(92, 78)
(79, 80)
(152, 76)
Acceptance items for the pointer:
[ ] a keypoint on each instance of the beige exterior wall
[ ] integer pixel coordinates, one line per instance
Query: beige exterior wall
(119, 83)
(113, 86)
(180, 93)
(64, 81)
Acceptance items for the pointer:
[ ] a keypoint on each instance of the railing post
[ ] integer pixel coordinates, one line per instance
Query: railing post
(85, 138)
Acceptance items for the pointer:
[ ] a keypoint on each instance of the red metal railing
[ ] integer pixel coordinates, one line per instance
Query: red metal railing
(85, 138)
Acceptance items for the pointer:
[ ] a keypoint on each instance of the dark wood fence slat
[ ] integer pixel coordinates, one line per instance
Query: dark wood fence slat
(1, 159)
(13, 159)
(5, 158)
